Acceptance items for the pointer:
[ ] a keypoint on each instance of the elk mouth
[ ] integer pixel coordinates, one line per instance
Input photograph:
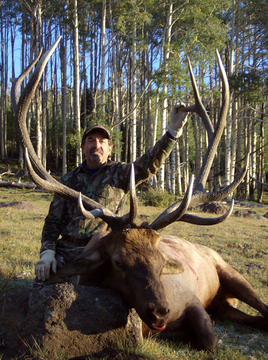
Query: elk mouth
(160, 324)
(159, 327)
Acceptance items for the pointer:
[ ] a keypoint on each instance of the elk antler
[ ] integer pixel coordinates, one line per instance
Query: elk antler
(39, 174)
(17, 82)
(175, 212)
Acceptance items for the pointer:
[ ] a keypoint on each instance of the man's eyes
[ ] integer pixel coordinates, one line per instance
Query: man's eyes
(102, 141)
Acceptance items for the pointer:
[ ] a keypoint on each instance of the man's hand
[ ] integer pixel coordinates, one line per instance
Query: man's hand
(47, 261)
(177, 120)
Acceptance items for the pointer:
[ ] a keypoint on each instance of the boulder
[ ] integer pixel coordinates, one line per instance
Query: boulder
(66, 320)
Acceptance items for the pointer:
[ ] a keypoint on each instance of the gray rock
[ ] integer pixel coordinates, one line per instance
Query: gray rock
(66, 320)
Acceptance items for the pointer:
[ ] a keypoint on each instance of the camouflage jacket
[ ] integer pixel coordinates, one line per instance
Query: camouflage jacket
(66, 224)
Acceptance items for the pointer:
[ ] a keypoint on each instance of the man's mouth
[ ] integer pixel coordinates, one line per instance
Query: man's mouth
(96, 152)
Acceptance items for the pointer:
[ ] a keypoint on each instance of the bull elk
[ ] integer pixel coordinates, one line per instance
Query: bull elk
(171, 282)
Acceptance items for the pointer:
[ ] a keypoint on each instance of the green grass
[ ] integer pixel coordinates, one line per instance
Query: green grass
(242, 242)
(20, 232)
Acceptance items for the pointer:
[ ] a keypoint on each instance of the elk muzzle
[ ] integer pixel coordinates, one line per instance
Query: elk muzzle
(157, 317)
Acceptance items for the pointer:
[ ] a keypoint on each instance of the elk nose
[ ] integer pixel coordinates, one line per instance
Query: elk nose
(158, 312)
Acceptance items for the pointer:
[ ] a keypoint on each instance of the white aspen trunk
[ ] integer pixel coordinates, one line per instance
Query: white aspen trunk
(143, 133)
(166, 40)
(168, 177)
(84, 110)
(63, 52)
(254, 126)
(134, 99)
(186, 144)
(254, 155)
(129, 123)
(44, 119)
(234, 140)
(2, 110)
(217, 179)
(76, 86)
(56, 116)
(235, 100)
(228, 148)
(178, 168)
(185, 158)
(103, 29)
(173, 171)
(197, 145)
(150, 142)
(37, 23)
(161, 176)
(115, 58)
(153, 179)
(261, 158)
(249, 145)
(155, 119)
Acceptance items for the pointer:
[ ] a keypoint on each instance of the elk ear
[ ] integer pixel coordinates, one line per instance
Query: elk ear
(76, 267)
(171, 266)
(91, 259)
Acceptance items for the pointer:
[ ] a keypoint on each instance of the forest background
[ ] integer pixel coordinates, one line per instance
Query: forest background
(124, 64)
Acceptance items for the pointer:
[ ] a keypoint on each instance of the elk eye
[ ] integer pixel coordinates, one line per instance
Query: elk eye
(117, 263)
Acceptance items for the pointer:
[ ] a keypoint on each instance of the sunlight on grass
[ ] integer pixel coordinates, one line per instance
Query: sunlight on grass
(20, 232)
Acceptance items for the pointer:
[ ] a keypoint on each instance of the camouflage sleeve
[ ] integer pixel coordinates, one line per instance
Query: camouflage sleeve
(148, 164)
(53, 224)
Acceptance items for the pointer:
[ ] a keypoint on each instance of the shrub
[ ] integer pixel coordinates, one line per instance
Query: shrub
(157, 198)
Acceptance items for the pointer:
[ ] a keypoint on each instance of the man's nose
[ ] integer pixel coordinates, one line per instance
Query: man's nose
(97, 143)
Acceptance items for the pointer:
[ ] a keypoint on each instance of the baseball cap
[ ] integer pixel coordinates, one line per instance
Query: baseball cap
(96, 127)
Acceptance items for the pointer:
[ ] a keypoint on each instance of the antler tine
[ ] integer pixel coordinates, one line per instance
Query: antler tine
(213, 145)
(175, 211)
(133, 198)
(16, 82)
(201, 196)
(198, 107)
(198, 220)
(23, 105)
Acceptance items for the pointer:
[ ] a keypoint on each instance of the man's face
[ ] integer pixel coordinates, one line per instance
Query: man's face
(96, 149)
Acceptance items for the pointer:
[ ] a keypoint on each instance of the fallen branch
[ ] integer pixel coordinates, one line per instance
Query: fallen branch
(259, 182)
(243, 203)
(17, 184)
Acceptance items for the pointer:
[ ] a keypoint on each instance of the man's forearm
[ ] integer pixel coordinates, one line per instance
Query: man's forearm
(151, 161)
(53, 224)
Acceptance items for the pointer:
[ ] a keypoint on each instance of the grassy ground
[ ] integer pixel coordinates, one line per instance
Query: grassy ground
(243, 242)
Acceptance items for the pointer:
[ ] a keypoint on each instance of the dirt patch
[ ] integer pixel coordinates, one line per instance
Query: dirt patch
(18, 205)
(212, 208)
(244, 213)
